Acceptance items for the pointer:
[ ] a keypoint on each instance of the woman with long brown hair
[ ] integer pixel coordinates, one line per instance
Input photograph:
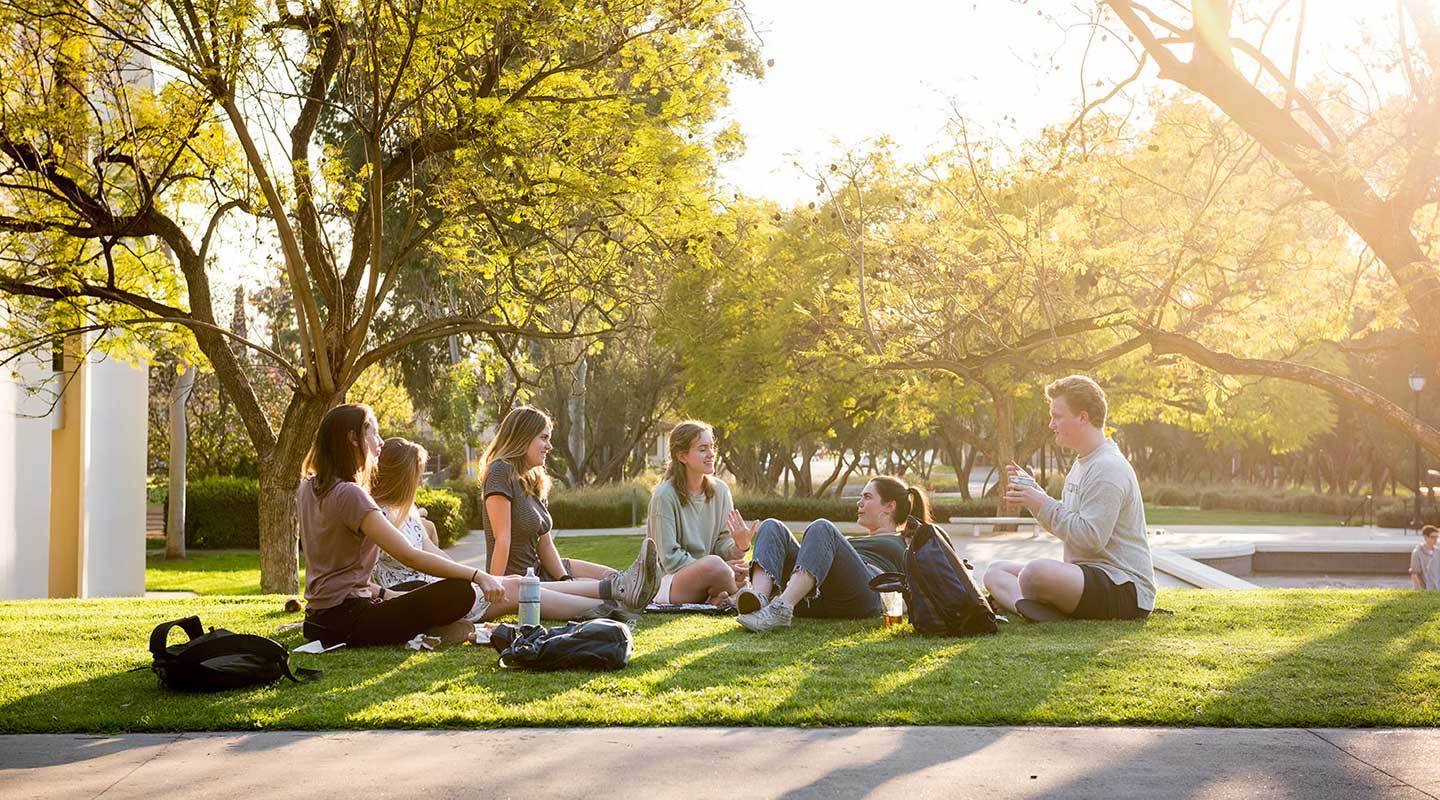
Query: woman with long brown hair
(827, 574)
(702, 539)
(344, 532)
(518, 529)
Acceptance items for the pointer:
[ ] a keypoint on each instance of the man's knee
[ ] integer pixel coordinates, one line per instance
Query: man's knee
(1041, 579)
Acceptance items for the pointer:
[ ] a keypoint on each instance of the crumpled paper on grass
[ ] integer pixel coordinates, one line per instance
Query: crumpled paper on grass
(423, 642)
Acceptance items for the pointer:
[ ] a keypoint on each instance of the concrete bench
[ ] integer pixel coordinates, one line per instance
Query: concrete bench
(976, 523)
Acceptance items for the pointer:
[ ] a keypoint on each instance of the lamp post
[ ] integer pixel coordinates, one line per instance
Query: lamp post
(1417, 385)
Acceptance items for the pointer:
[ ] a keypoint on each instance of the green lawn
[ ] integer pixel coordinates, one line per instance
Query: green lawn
(237, 572)
(1272, 658)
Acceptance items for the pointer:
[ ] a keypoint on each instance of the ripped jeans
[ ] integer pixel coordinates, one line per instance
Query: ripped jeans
(842, 578)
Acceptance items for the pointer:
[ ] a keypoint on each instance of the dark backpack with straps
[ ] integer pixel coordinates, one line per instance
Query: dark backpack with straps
(218, 660)
(941, 596)
(597, 644)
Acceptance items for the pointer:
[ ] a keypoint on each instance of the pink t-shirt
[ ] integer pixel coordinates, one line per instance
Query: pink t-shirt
(338, 557)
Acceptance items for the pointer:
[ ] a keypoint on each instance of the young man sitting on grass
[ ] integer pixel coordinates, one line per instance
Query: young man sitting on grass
(1107, 572)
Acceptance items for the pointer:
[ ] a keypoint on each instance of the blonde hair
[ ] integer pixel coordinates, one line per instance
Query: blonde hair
(1082, 394)
(512, 442)
(397, 478)
(681, 439)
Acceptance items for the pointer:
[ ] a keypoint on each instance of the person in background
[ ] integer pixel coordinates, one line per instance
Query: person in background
(1424, 571)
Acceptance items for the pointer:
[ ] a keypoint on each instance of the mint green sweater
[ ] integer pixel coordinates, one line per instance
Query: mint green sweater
(687, 533)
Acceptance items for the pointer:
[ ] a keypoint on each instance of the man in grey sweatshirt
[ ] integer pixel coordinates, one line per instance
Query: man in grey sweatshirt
(1107, 572)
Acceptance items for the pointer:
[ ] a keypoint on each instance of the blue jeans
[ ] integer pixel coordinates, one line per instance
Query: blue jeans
(842, 578)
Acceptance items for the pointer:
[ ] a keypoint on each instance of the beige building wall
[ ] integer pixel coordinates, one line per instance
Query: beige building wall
(67, 474)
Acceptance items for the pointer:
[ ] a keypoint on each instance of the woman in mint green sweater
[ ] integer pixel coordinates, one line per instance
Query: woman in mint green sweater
(702, 539)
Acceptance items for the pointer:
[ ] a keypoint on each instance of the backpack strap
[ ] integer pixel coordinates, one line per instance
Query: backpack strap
(191, 625)
(306, 675)
(889, 582)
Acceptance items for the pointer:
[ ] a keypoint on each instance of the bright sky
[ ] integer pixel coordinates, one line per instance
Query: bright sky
(849, 70)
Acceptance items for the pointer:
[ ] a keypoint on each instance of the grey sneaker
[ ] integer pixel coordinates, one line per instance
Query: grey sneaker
(748, 601)
(777, 614)
(636, 586)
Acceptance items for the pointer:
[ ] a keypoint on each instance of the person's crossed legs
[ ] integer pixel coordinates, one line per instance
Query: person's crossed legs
(1044, 580)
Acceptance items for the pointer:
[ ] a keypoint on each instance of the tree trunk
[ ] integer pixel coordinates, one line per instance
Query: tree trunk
(1003, 448)
(279, 477)
(175, 501)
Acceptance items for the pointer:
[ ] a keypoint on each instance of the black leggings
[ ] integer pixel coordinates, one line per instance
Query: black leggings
(360, 621)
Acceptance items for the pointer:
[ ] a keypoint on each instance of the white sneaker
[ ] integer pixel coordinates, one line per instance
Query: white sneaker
(777, 614)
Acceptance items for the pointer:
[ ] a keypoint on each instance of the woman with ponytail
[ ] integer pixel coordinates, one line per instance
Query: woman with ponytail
(828, 574)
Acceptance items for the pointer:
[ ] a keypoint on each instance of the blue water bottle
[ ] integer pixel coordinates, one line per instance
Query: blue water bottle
(529, 598)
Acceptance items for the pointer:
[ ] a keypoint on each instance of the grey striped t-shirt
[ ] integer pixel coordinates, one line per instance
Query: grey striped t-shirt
(529, 519)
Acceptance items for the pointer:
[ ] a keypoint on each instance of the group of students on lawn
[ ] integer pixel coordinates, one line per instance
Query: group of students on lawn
(374, 577)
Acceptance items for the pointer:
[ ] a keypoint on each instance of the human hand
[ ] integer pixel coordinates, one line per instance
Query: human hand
(741, 568)
(1026, 495)
(744, 532)
(490, 586)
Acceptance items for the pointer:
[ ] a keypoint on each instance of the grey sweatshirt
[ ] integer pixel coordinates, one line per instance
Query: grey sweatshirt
(687, 533)
(1100, 517)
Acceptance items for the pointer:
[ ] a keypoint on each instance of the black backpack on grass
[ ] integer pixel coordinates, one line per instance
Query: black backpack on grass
(941, 596)
(218, 660)
(596, 644)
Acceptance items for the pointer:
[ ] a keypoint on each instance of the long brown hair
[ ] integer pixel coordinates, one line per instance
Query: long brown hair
(397, 477)
(512, 442)
(909, 501)
(681, 439)
(338, 452)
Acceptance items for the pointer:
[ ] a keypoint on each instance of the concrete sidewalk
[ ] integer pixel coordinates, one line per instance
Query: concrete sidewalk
(907, 763)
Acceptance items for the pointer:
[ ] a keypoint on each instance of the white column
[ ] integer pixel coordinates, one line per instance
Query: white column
(112, 554)
(25, 406)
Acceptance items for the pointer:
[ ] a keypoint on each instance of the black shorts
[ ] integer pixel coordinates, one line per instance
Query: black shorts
(1102, 598)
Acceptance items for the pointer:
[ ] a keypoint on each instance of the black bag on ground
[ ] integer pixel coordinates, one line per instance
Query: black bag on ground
(211, 662)
(941, 596)
(597, 644)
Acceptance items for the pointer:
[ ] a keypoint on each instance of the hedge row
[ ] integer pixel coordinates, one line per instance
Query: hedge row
(1242, 498)
(616, 507)
(224, 512)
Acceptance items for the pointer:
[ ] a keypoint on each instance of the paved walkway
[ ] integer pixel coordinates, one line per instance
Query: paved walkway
(906, 763)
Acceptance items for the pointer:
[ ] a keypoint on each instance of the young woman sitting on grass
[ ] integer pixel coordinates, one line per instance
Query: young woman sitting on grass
(827, 574)
(344, 532)
(701, 537)
(518, 532)
(397, 478)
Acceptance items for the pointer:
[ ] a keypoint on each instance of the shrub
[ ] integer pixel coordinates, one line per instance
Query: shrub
(471, 506)
(222, 512)
(446, 510)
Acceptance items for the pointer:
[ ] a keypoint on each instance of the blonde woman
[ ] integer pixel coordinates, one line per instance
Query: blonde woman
(701, 537)
(518, 526)
(397, 478)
